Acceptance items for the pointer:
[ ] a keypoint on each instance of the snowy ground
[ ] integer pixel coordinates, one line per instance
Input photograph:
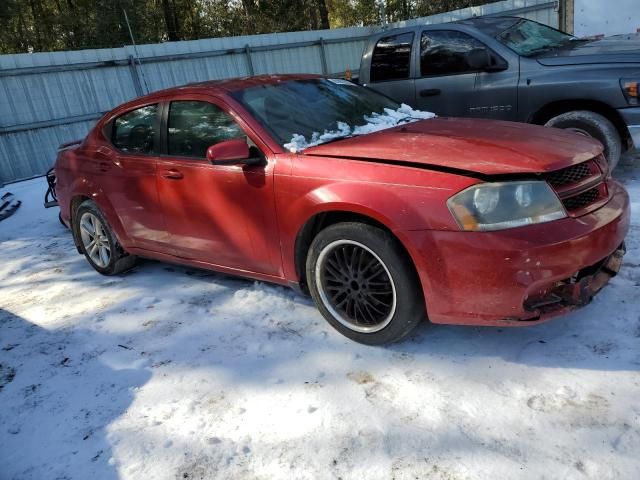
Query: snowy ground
(170, 372)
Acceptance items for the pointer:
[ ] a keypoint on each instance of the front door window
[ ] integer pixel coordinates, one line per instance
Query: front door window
(444, 52)
(194, 126)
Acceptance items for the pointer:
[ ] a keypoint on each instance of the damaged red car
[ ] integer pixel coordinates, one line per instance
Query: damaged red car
(385, 215)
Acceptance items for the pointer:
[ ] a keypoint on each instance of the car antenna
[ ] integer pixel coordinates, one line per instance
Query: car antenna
(135, 50)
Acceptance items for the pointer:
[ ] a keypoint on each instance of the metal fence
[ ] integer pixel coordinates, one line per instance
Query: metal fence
(47, 99)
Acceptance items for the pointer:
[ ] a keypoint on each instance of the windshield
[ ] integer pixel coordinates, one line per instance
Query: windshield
(304, 113)
(529, 38)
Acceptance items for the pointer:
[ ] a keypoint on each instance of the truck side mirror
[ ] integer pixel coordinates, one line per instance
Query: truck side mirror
(480, 59)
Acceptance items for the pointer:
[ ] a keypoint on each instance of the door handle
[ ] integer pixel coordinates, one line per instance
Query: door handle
(104, 167)
(172, 174)
(430, 92)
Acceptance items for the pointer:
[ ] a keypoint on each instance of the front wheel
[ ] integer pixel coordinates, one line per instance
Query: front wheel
(591, 124)
(364, 283)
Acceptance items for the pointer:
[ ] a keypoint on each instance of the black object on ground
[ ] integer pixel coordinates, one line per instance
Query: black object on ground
(50, 199)
(8, 205)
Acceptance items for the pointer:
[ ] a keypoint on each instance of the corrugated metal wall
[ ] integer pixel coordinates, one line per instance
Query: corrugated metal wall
(51, 98)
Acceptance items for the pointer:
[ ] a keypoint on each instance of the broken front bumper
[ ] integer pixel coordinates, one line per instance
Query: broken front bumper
(523, 275)
(578, 290)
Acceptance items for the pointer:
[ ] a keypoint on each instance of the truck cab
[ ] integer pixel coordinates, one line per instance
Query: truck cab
(510, 68)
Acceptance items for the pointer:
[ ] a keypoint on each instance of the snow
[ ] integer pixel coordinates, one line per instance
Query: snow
(170, 372)
(374, 123)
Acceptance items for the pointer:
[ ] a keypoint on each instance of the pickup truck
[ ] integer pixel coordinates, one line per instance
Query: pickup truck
(510, 68)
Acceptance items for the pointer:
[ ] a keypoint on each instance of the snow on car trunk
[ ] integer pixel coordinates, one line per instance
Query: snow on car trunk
(169, 372)
(374, 123)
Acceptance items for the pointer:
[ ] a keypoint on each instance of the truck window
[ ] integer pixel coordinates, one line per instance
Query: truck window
(444, 52)
(391, 57)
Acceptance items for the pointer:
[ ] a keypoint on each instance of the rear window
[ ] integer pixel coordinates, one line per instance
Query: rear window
(391, 58)
(135, 131)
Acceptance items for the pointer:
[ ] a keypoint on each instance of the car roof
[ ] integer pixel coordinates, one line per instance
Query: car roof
(228, 85)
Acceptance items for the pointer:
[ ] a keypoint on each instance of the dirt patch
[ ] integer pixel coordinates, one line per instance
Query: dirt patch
(361, 378)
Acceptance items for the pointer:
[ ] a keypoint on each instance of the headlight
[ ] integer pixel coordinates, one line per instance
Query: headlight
(630, 89)
(498, 206)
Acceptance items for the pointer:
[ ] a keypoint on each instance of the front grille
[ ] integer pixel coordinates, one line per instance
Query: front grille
(570, 175)
(579, 186)
(582, 200)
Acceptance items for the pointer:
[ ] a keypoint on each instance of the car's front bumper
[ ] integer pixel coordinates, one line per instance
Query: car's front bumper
(524, 275)
(631, 117)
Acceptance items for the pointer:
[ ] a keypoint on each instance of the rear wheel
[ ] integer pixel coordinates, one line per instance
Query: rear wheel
(591, 124)
(97, 241)
(364, 284)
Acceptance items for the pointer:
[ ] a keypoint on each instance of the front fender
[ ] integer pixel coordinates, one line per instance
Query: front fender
(396, 206)
(350, 197)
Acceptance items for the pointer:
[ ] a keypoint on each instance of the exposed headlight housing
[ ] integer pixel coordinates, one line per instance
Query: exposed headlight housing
(497, 206)
(631, 89)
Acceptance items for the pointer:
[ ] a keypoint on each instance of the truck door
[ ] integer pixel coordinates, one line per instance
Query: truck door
(448, 84)
(390, 72)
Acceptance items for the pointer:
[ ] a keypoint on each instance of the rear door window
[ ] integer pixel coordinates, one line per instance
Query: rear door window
(391, 59)
(193, 126)
(444, 52)
(135, 131)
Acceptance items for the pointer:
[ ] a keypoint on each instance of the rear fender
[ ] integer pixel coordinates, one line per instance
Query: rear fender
(85, 188)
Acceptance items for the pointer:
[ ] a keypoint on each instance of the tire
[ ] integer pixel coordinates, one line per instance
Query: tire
(592, 125)
(108, 257)
(364, 284)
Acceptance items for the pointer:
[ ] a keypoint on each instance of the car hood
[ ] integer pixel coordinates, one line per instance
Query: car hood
(615, 49)
(486, 147)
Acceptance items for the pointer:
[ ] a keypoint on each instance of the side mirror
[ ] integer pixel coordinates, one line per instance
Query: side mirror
(478, 59)
(481, 59)
(232, 152)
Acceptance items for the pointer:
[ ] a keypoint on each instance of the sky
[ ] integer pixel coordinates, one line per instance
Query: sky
(595, 17)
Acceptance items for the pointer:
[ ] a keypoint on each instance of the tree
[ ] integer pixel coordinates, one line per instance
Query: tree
(171, 20)
(323, 14)
(44, 25)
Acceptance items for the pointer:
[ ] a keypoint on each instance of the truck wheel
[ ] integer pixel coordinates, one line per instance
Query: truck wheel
(97, 241)
(593, 125)
(364, 284)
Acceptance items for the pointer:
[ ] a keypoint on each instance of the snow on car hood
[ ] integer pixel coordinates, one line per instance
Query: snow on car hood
(487, 147)
(374, 123)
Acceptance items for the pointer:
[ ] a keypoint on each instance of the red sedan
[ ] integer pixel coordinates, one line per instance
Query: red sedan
(385, 215)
